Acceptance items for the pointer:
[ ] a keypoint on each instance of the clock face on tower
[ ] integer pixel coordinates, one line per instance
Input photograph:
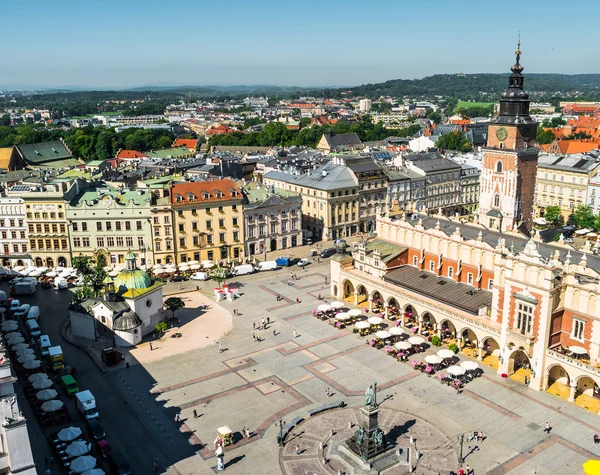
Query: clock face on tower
(501, 133)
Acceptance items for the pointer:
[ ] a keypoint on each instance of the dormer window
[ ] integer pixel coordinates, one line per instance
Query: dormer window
(178, 198)
(191, 197)
(218, 194)
(205, 195)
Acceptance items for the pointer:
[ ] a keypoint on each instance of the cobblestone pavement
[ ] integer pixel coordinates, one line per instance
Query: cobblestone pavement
(253, 384)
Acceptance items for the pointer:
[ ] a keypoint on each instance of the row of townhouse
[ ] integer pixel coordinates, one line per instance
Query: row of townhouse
(165, 221)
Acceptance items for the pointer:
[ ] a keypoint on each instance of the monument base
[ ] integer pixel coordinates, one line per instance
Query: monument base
(392, 456)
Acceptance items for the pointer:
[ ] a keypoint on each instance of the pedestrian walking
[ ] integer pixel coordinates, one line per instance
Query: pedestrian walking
(254, 336)
(151, 346)
(244, 431)
(155, 464)
(480, 436)
(195, 414)
(295, 334)
(596, 438)
(247, 433)
(326, 280)
(268, 320)
(264, 323)
(547, 428)
(253, 325)
(177, 418)
(468, 469)
(289, 283)
(298, 300)
(221, 349)
(327, 392)
(274, 332)
(297, 450)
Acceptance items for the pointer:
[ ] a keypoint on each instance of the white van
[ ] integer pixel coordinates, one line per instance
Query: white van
(34, 329)
(199, 276)
(61, 284)
(34, 313)
(266, 265)
(243, 269)
(45, 344)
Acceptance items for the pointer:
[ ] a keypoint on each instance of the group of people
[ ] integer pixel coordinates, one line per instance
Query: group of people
(477, 436)
(263, 325)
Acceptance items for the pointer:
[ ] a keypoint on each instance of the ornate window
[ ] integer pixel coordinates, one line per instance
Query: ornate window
(498, 166)
(496, 200)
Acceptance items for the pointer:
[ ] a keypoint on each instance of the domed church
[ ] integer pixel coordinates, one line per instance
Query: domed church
(130, 308)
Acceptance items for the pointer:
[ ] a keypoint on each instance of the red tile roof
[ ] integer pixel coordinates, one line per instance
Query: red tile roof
(204, 191)
(220, 129)
(188, 143)
(131, 154)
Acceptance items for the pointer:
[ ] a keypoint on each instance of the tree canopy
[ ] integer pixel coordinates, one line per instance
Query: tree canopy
(454, 141)
(544, 136)
(584, 217)
(92, 271)
(553, 214)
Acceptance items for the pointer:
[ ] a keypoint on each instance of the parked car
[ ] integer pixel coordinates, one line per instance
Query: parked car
(22, 310)
(103, 448)
(283, 261)
(328, 252)
(65, 371)
(95, 429)
(266, 265)
(200, 276)
(303, 262)
(14, 305)
(111, 357)
(179, 278)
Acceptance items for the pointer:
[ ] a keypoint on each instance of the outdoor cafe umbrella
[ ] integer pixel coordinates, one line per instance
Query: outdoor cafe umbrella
(195, 266)
(433, 359)
(456, 370)
(158, 271)
(69, 433)
(592, 467)
(42, 384)
(25, 351)
(10, 326)
(83, 463)
(342, 316)
(416, 340)
(12, 334)
(15, 340)
(445, 353)
(383, 334)
(94, 471)
(46, 394)
(355, 312)
(469, 365)
(577, 350)
(324, 308)
(193, 263)
(33, 364)
(16, 346)
(157, 266)
(337, 304)
(26, 357)
(77, 448)
(52, 273)
(403, 345)
(184, 268)
(375, 320)
(396, 331)
(38, 377)
(52, 405)
(362, 325)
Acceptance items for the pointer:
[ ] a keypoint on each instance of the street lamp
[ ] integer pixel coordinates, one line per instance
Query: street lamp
(461, 438)
(280, 437)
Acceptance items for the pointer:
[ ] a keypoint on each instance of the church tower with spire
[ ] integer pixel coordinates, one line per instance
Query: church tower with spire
(507, 183)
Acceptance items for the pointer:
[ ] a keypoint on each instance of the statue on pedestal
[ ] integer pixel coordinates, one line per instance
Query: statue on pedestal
(371, 396)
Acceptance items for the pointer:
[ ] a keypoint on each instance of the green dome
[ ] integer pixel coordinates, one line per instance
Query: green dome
(133, 279)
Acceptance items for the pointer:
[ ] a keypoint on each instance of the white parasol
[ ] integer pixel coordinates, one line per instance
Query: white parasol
(52, 405)
(445, 353)
(69, 433)
(324, 308)
(362, 325)
(46, 394)
(83, 463)
(77, 448)
(337, 304)
(16, 346)
(396, 331)
(15, 340)
(403, 345)
(42, 384)
(456, 370)
(193, 263)
(157, 266)
(577, 350)
(24, 351)
(33, 364)
(13, 334)
(416, 340)
(158, 271)
(26, 357)
(195, 267)
(184, 268)
(93, 471)
(355, 312)
(207, 264)
(375, 320)
(52, 273)
(38, 377)
(469, 365)
(10, 325)
(433, 359)
(383, 334)
(342, 316)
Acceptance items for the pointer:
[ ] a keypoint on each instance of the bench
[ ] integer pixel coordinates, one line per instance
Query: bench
(326, 407)
(288, 427)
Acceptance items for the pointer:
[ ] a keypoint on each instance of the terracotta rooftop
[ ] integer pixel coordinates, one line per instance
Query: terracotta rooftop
(131, 154)
(204, 191)
(189, 143)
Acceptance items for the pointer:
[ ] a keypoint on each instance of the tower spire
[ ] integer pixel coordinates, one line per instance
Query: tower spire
(518, 52)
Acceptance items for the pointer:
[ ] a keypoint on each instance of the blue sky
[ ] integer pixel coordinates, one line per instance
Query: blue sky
(305, 43)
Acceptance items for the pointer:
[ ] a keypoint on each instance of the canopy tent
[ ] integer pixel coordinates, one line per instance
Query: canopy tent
(10, 325)
(416, 340)
(375, 320)
(13, 334)
(26, 357)
(456, 370)
(93, 471)
(445, 353)
(16, 346)
(433, 359)
(25, 351)
(69, 433)
(469, 365)
(403, 345)
(383, 334)
(15, 340)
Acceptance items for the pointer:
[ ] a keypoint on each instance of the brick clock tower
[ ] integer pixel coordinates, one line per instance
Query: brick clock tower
(510, 159)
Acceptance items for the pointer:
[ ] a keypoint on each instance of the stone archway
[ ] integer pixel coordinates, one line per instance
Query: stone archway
(448, 332)
(39, 262)
(410, 316)
(363, 295)
(519, 366)
(20, 262)
(376, 302)
(348, 291)
(62, 262)
(558, 381)
(49, 262)
(427, 324)
(393, 308)
(490, 350)
(587, 393)
(467, 342)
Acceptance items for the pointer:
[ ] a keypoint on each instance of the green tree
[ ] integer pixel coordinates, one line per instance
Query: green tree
(104, 145)
(544, 136)
(553, 214)
(597, 224)
(553, 123)
(584, 217)
(161, 328)
(454, 141)
(174, 304)
(435, 116)
(219, 274)
(5, 120)
(92, 271)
